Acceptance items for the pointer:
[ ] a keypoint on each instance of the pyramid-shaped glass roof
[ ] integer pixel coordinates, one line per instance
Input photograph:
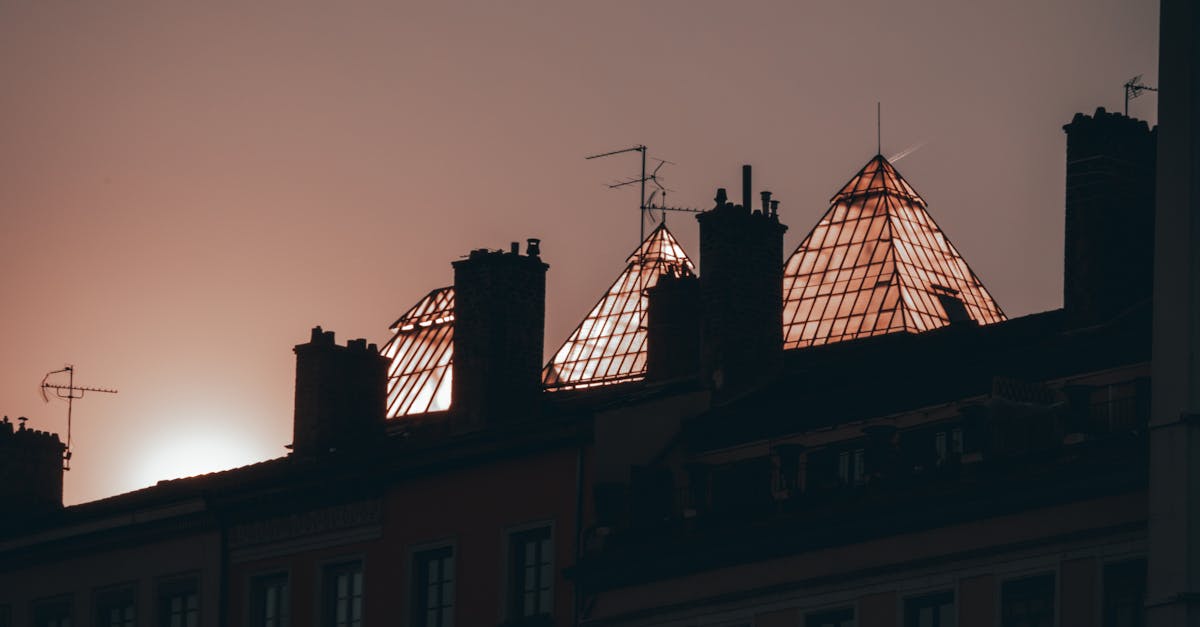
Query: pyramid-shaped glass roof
(421, 350)
(609, 346)
(877, 263)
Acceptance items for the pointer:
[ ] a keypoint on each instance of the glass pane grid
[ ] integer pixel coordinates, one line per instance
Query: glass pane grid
(421, 351)
(609, 345)
(876, 263)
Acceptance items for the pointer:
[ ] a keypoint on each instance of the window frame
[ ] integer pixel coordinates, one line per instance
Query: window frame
(61, 601)
(416, 591)
(1053, 575)
(828, 613)
(510, 607)
(103, 599)
(253, 582)
(1109, 566)
(170, 586)
(930, 599)
(326, 611)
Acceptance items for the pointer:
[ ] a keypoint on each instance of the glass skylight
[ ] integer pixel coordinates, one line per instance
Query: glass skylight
(421, 350)
(877, 263)
(609, 346)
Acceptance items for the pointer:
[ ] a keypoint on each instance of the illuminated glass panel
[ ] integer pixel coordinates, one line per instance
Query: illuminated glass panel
(609, 346)
(421, 350)
(877, 263)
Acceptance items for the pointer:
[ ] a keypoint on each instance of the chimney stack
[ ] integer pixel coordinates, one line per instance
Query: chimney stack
(673, 328)
(499, 320)
(341, 394)
(31, 469)
(1109, 234)
(741, 290)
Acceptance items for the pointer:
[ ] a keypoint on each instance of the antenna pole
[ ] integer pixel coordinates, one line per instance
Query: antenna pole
(1134, 88)
(642, 213)
(70, 401)
(878, 128)
(68, 393)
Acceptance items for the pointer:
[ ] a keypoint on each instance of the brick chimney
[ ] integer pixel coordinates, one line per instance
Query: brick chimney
(1109, 245)
(340, 394)
(673, 328)
(31, 469)
(499, 320)
(741, 287)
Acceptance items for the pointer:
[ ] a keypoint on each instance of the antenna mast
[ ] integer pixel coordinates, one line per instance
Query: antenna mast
(69, 393)
(878, 128)
(640, 180)
(1135, 88)
(645, 204)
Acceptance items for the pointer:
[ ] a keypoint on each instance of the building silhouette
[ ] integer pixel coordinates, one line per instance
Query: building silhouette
(854, 435)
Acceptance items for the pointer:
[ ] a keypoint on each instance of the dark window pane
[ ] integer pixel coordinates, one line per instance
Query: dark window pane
(1028, 602)
(56, 613)
(433, 588)
(342, 595)
(270, 604)
(179, 603)
(932, 610)
(1125, 594)
(115, 608)
(531, 574)
(835, 618)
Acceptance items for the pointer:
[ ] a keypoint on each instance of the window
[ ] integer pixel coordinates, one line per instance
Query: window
(343, 595)
(1115, 408)
(115, 608)
(789, 467)
(836, 618)
(55, 613)
(933, 610)
(178, 603)
(1125, 594)
(852, 468)
(433, 588)
(531, 574)
(270, 603)
(1028, 602)
(949, 446)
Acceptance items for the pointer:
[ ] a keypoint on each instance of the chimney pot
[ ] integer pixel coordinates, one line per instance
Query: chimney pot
(746, 186)
(774, 208)
(722, 197)
(766, 203)
(514, 248)
(533, 247)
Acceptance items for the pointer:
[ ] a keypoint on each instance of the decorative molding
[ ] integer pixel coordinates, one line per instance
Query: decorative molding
(328, 526)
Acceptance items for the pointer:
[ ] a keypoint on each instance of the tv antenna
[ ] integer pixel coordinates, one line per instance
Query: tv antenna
(646, 203)
(1134, 88)
(68, 393)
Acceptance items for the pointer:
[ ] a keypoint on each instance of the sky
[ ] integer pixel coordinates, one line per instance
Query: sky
(187, 188)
